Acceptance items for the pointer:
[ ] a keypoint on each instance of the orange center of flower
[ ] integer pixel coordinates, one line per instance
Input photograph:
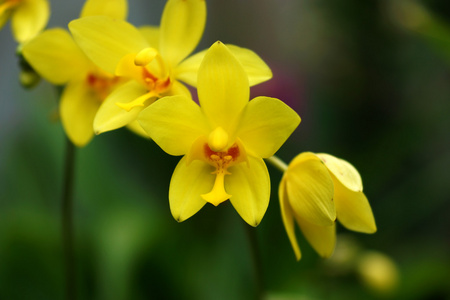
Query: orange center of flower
(221, 161)
(148, 68)
(216, 151)
(153, 83)
(101, 85)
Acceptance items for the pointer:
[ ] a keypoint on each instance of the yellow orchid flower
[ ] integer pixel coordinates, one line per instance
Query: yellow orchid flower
(155, 58)
(28, 17)
(315, 190)
(56, 57)
(223, 139)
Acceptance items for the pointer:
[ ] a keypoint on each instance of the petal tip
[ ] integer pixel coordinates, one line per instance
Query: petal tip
(253, 223)
(99, 130)
(372, 229)
(298, 256)
(299, 119)
(327, 254)
(178, 218)
(218, 44)
(72, 25)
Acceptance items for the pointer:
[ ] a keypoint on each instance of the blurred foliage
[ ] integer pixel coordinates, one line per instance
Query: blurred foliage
(370, 80)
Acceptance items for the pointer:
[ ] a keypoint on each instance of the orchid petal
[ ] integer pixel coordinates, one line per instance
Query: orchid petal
(353, 209)
(56, 57)
(255, 68)
(187, 70)
(151, 34)
(182, 25)
(78, 108)
(128, 69)
(249, 187)
(116, 9)
(310, 190)
(223, 89)
(110, 116)
(136, 128)
(105, 40)
(29, 18)
(174, 123)
(343, 171)
(178, 88)
(321, 238)
(187, 184)
(265, 125)
(288, 218)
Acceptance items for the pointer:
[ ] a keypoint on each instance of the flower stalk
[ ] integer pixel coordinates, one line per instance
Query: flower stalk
(257, 261)
(67, 221)
(277, 163)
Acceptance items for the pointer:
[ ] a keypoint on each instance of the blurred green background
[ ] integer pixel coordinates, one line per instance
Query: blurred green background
(371, 81)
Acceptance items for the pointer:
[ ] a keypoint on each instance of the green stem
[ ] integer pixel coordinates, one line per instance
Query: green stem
(67, 221)
(277, 163)
(257, 262)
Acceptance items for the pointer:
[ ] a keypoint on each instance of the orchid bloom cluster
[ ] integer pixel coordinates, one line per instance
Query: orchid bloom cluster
(116, 75)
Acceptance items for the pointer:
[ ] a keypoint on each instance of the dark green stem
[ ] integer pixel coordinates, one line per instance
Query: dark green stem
(67, 221)
(257, 262)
